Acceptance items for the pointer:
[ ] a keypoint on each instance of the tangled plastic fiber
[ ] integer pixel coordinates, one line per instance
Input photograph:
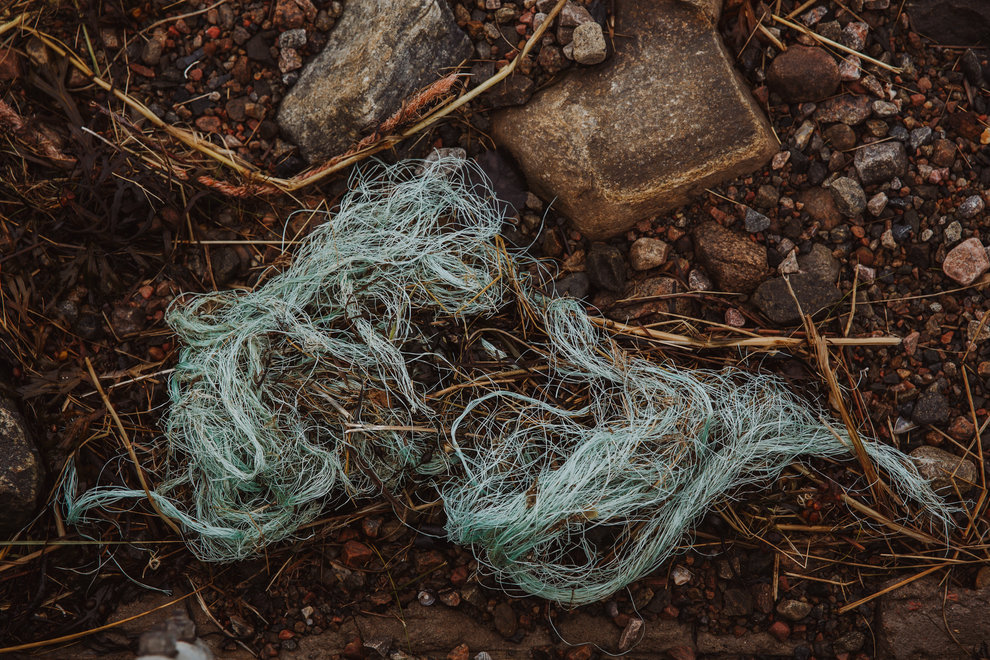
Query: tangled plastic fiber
(344, 377)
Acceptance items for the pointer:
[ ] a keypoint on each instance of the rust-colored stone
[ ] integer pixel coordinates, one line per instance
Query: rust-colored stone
(735, 262)
(356, 554)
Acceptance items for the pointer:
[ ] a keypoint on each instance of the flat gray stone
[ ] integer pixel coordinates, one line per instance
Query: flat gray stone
(20, 470)
(664, 117)
(379, 53)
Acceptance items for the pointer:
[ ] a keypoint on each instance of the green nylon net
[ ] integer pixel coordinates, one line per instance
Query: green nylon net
(373, 364)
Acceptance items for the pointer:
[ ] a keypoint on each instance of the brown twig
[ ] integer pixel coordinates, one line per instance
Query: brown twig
(92, 631)
(887, 590)
(130, 447)
(748, 342)
(260, 182)
(834, 44)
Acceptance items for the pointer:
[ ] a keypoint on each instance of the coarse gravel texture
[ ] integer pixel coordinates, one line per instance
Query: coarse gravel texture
(877, 198)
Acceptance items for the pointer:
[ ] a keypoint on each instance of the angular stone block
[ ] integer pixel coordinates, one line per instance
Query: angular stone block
(666, 116)
(379, 53)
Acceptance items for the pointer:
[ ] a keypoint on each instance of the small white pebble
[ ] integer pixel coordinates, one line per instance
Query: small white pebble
(681, 575)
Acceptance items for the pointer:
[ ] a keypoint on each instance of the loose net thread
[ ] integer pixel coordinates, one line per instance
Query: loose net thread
(321, 385)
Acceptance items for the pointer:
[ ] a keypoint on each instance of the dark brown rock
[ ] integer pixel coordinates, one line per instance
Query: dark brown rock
(814, 293)
(735, 262)
(10, 64)
(912, 621)
(737, 602)
(606, 267)
(820, 206)
(20, 470)
(965, 124)
(127, 320)
(237, 108)
(505, 620)
(356, 553)
(292, 14)
(514, 90)
(750, 644)
(373, 61)
(803, 73)
(663, 117)
(841, 136)
(952, 22)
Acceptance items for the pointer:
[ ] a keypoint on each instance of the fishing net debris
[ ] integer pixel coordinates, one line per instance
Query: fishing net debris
(379, 361)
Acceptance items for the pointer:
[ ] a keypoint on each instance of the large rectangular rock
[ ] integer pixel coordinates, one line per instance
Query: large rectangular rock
(664, 117)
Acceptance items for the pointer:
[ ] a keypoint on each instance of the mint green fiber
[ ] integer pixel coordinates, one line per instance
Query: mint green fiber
(323, 385)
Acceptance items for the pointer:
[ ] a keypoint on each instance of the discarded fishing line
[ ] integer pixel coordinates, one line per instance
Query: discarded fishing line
(374, 362)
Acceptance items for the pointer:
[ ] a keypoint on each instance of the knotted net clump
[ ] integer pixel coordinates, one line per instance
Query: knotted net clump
(369, 365)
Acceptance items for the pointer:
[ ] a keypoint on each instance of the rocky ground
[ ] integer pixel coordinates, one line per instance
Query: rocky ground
(872, 202)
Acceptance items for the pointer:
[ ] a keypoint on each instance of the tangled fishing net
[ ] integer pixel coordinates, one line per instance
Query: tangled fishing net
(375, 362)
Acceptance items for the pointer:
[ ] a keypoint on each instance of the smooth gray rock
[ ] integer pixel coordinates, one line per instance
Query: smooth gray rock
(664, 117)
(379, 53)
(20, 470)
